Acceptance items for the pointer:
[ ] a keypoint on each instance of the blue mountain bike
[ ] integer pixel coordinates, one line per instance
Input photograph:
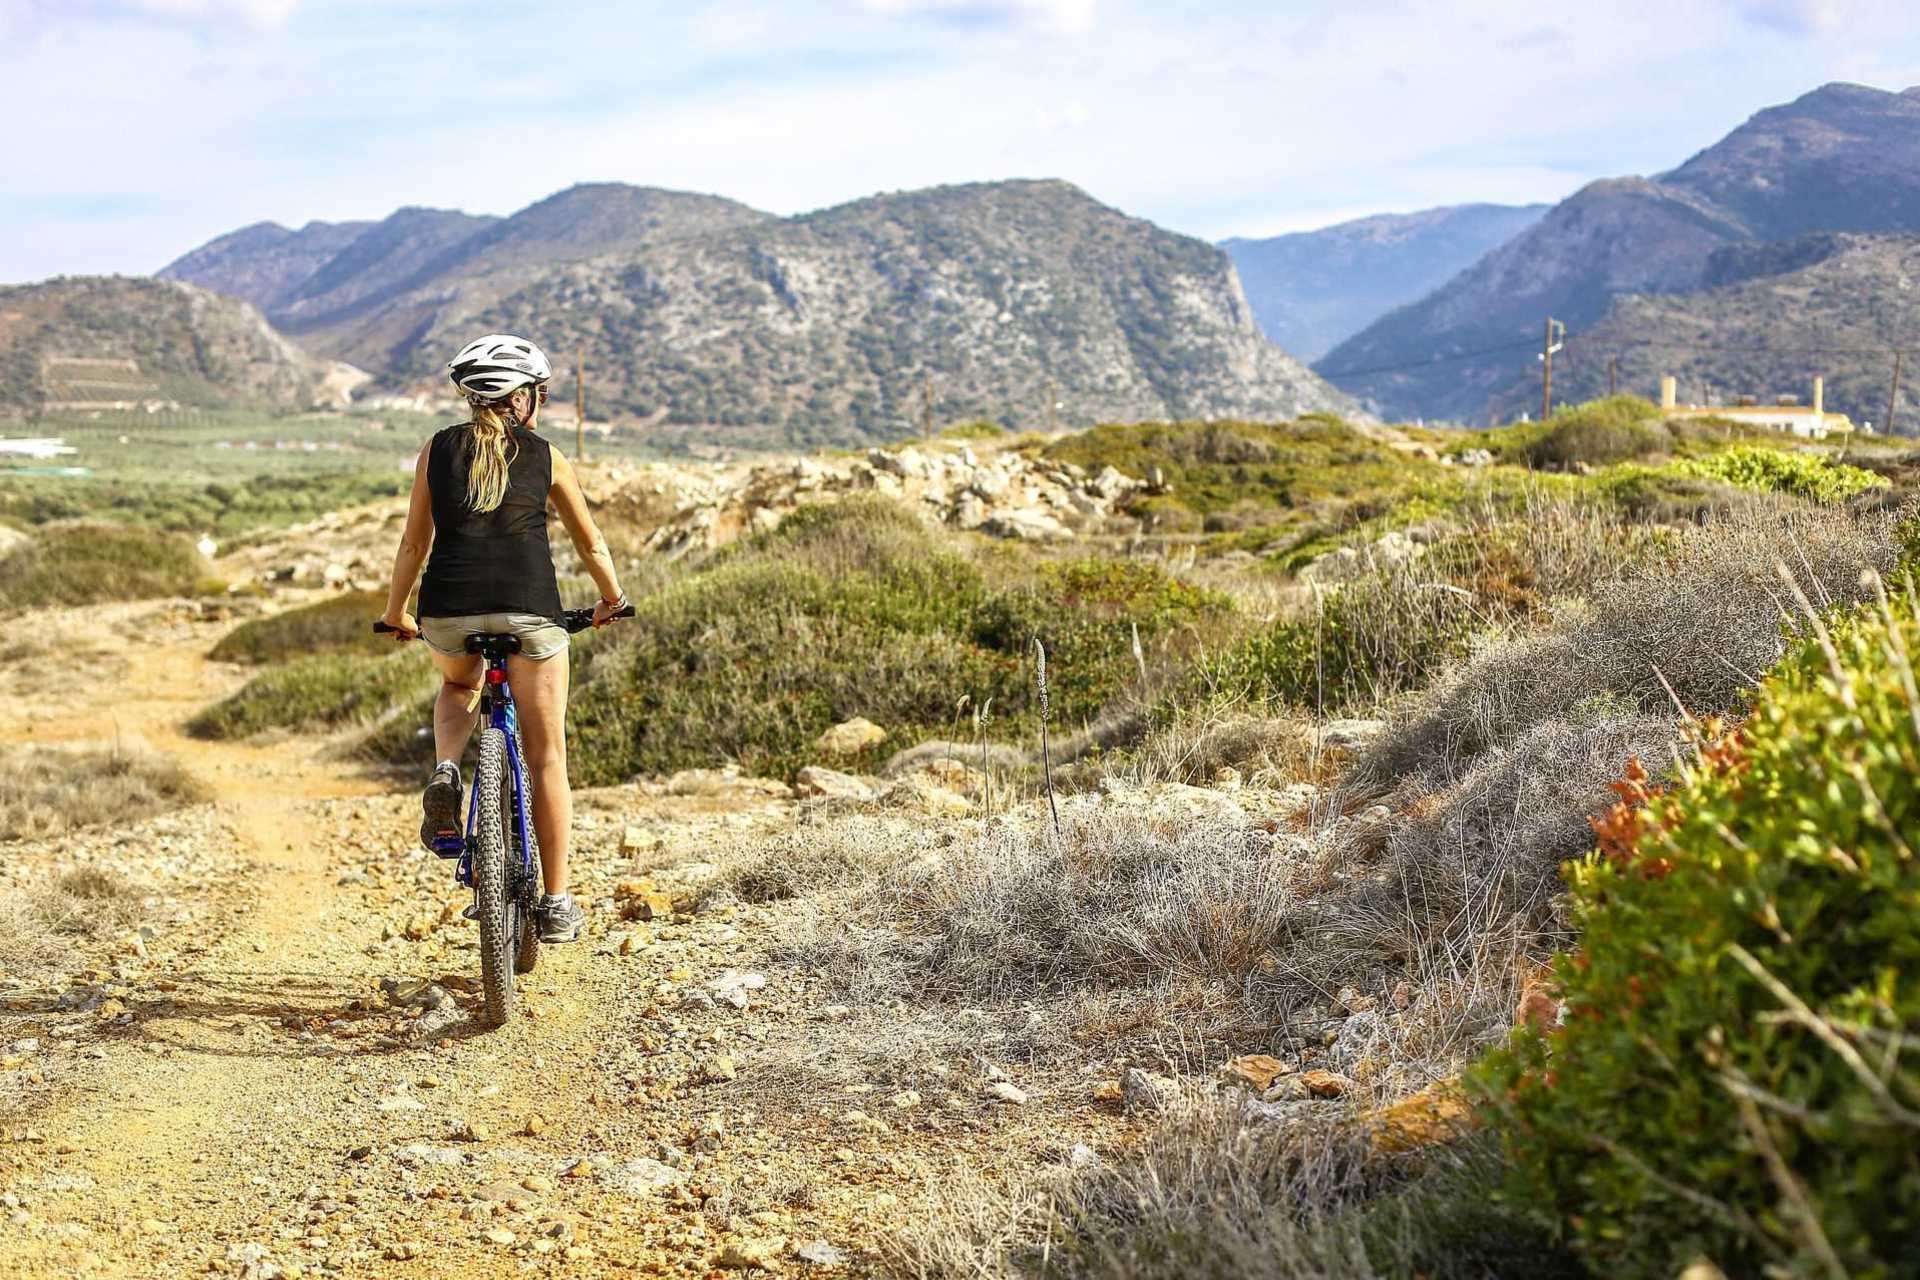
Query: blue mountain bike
(499, 856)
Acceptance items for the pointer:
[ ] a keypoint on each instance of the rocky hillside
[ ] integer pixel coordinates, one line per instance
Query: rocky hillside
(96, 340)
(1311, 289)
(1773, 316)
(1842, 158)
(696, 313)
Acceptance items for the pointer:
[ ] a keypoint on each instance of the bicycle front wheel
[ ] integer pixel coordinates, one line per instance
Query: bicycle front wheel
(492, 900)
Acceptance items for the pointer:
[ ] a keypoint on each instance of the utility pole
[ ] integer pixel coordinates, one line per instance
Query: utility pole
(1550, 344)
(1613, 374)
(580, 407)
(1893, 392)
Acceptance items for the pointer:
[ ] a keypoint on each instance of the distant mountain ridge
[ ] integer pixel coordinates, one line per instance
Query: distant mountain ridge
(1311, 289)
(1843, 158)
(89, 340)
(1773, 316)
(694, 310)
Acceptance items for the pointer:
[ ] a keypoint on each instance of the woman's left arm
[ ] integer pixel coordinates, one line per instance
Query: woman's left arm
(415, 539)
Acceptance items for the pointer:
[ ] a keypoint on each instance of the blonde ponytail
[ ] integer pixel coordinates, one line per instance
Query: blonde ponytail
(493, 451)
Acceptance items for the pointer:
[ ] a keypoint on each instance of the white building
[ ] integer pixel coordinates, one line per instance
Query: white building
(1808, 421)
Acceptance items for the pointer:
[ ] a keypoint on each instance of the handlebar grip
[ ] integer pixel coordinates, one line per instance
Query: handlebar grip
(380, 628)
(625, 613)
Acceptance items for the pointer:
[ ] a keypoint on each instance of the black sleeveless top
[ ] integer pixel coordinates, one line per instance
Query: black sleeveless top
(489, 561)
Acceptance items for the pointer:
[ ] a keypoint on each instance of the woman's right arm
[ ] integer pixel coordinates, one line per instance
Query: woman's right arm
(415, 539)
(571, 504)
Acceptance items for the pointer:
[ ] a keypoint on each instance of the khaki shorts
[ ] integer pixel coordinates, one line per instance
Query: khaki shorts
(540, 637)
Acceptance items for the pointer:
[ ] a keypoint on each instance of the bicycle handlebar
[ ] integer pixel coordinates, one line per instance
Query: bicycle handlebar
(572, 620)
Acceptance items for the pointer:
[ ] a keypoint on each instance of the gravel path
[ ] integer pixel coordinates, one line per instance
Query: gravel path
(285, 1077)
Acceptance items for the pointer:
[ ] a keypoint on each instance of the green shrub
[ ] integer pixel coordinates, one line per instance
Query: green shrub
(1369, 640)
(338, 622)
(91, 563)
(321, 692)
(855, 608)
(1803, 475)
(1739, 1069)
(1596, 434)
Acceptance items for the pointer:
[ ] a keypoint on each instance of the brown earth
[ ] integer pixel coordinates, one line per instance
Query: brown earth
(236, 1093)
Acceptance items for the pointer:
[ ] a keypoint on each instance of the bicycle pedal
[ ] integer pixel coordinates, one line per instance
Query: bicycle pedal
(472, 912)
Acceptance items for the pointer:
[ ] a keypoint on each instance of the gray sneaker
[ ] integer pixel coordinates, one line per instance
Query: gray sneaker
(561, 918)
(440, 805)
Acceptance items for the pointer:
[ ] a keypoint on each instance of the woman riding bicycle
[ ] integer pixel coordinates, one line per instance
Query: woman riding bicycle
(480, 495)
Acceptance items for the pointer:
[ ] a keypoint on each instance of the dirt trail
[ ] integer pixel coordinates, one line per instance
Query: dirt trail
(259, 1107)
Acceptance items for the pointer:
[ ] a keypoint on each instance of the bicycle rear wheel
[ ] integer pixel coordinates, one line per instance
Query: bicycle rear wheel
(492, 899)
(526, 883)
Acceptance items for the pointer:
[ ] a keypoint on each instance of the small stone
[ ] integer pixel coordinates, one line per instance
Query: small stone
(850, 737)
(1327, 1084)
(905, 1100)
(1144, 1091)
(1436, 1115)
(1257, 1070)
(635, 840)
(402, 1250)
(534, 1127)
(640, 900)
(1006, 1091)
(639, 1177)
(472, 1131)
(1109, 1092)
(818, 1253)
(719, 1069)
(537, 1183)
(752, 1255)
(500, 1235)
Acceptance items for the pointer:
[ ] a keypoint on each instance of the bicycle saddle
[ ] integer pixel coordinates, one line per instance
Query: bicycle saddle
(491, 645)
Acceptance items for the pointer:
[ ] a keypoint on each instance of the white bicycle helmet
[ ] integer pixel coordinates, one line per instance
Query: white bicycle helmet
(497, 365)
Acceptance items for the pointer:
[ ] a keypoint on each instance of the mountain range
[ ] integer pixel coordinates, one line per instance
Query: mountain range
(698, 313)
(1841, 159)
(1311, 289)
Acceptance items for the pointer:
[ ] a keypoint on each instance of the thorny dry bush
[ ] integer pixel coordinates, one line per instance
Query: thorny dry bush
(1234, 1188)
(1498, 771)
(1170, 909)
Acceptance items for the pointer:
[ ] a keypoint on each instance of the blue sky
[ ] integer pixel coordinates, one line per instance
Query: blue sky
(144, 127)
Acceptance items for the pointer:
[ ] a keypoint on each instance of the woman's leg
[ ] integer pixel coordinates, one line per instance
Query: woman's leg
(455, 710)
(540, 692)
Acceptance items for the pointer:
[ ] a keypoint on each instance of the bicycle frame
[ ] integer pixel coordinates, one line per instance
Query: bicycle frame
(497, 708)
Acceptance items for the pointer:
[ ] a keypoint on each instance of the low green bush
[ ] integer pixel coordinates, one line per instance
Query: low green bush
(338, 622)
(1738, 1073)
(322, 692)
(1803, 475)
(1596, 434)
(855, 608)
(1367, 641)
(92, 563)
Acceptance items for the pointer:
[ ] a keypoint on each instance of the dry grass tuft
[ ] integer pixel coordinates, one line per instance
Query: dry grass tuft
(53, 791)
(40, 919)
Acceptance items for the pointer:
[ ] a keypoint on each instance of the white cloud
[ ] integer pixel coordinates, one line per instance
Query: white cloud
(1237, 117)
(1068, 17)
(1797, 17)
(42, 15)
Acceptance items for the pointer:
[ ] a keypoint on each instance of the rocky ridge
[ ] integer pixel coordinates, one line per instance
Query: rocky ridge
(705, 319)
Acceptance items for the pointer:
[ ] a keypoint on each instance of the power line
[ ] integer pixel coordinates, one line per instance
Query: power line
(1602, 342)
